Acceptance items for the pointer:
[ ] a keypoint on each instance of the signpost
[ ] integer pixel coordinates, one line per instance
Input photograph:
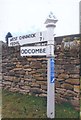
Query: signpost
(27, 39)
(50, 24)
(41, 51)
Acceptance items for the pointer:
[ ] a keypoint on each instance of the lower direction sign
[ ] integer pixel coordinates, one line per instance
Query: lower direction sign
(33, 51)
(52, 79)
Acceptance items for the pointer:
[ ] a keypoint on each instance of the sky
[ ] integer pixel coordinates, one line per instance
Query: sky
(21, 17)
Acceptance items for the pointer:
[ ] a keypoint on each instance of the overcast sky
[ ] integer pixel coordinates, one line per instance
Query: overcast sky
(21, 17)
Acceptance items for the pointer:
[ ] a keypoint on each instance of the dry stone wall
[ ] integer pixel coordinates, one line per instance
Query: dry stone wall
(67, 69)
(28, 75)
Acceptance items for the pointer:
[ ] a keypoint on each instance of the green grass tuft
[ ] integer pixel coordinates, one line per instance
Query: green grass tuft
(15, 105)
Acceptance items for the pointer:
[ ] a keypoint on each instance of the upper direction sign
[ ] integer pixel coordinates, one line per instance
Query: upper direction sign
(27, 39)
(33, 51)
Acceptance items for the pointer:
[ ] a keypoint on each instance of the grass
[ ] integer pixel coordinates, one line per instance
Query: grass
(15, 105)
(22, 106)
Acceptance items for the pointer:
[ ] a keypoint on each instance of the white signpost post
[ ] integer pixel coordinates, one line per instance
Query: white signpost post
(50, 24)
(41, 51)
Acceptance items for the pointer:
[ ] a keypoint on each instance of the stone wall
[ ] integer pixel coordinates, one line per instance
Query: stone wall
(28, 75)
(67, 67)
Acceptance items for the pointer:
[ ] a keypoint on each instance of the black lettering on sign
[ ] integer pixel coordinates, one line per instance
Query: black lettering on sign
(25, 51)
(20, 37)
(22, 51)
(29, 51)
(14, 43)
(32, 51)
(13, 39)
(40, 33)
(27, 36)
(37, 50)
(40, 38)
(44, 50)
(41, 50)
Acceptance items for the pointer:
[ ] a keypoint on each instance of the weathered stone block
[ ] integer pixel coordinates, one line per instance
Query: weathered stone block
(41, 59)
(12, 73)
(60, 80)
(75, 76)
(43, 95)
(24, 91)
(67, 86)
(7, 87)
(19, 66)
(59, 71)
(44, 66)
(77, 98)
(41, 82)
(60, 91)
(76, 61)
(76, 88)
(5, 77)
(28, 69)
(9, 68)
(25, 87)
(10, 65)
(6, 83)
(35, 85)
(33, 72)
(36, 75)
(73, 81)
(18, 71)
(11, 78)
(41, 70)
(43, 87)
(74, 71)
(36, 63)
(63, 76)
(26, 66)
(68, 96)
(44, 91)
(15, 69)
(35, 90)
(40, 79)
(14, 60)
(28, 76)
(57, 84)
(30, 59)
(72, 93)
(13, 89)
